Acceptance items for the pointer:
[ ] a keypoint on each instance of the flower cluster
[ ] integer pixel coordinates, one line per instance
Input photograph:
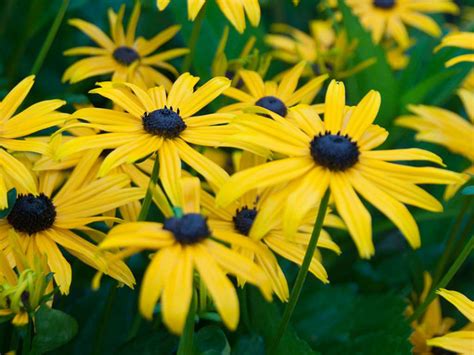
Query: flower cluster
(217, 184)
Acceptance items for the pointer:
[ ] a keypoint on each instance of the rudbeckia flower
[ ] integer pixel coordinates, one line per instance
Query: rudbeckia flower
(183, 245)
(51, 217)
(324, 50)
(463, 40)
(440, 126)
(127, 58)
(273, 96)
(389, 17)
(256, 216)
(432, 334)
(25, 288)
(235, 11)
(155, 121)
(337, 154)
(16, 127)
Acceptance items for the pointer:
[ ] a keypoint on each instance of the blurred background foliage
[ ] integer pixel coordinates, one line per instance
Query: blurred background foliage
(361, 310)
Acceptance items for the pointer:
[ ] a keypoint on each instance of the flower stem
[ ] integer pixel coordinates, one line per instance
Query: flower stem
(186, 340)
(298, 286)
(193, 40)
(50, 37)
(451, 242)
(467, 249)
(28, 337)
(148, 197)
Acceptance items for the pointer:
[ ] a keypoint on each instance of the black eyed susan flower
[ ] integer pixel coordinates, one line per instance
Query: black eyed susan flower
(127, 58)
(337, 154)
(234, 11)
(15, 128)
(155, 121)
(440, 126)
(432, 335)
(25, 288)
(273, 96)
(183, 245)
(50, 218)
(464, 40)
(256, 216)
(389, 17)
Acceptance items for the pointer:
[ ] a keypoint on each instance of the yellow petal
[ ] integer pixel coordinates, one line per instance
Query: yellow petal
(15, 97)
(458, 300)
(334, 106)
(363, 115)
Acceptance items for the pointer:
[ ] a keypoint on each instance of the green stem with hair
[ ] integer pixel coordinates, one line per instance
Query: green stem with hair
(50, 37)
(303, 272)
(194, 39)
(451, 241)
(467, 249)
(149, 195)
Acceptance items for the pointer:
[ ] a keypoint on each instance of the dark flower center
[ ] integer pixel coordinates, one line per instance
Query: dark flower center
(32, 214)
(274, 104)
(188, 229)
(164, 122)
(384, 4)
(125, 55)
(440, 351)
(333, 151)
(243, 219)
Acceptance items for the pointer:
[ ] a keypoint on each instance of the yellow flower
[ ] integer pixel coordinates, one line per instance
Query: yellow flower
(397, 58)
(16, 127)
(463, 40)
(276, 97)
(184, 245)
(130, 59)
(389, 17)
(48, 218)
(155, 121)
(22, 290)
(432, 334)
(324, 50)
(235, 11)
(440, 126)
(256, 215)
(337, 154)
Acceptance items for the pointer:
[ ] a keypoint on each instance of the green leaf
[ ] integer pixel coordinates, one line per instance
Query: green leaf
(469, 190)
(211, 340)
(157, 342)
(350, 322)
(54, 328)
(378, 76)
(11, 198)
(265, 318)
(249, 344)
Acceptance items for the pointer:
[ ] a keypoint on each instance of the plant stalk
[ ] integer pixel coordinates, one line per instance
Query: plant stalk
(298, 286)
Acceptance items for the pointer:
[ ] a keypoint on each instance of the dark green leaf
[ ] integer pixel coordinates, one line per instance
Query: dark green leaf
(211, 340)
(249, 344)
(157, 342)
(469, 190)
(53, 329)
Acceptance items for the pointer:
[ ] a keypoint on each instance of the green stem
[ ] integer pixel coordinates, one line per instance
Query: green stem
(50, 37)
(298, 286)
(451, 241)
(244, 309)
(186, 340)
(28, 337)
(194, 39)
(148, 197)
(467, 249)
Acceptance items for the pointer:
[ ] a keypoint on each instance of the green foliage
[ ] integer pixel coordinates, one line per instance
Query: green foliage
(54, 328)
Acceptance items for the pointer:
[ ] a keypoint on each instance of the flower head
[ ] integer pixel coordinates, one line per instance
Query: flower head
(182, 245)
(337, 154)
(52, 217)
(440, 126)
(157, 121)
(127, 58)
(15, 128)
(388, 17)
